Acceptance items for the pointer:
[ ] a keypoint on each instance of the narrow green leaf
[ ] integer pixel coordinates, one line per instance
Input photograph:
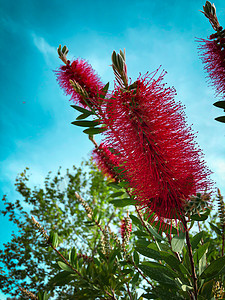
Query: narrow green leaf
(122, 202)
(83, 116)
(136, 257)
(196, 239)
(95, 130)
(114, 185)
(72, 255)
(149, 252)
(158, 275)
(135, 279)
(155, 233)
(86, 123)
(135, 220)
(81, 109)
(215, 228)
(213, 269)
(53, 239)
(220, 119)
(220, 104)
(206, 289)
(196, 217)
(117, 194)
(104, 91)
(64, 266)
(202, 263)
(177, 242)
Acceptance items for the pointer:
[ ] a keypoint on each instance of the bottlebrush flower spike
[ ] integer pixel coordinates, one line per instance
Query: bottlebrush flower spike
(163, 163)
(107, 162)
(125, 228)
(212, 51)
(79, 73)
(212, 54)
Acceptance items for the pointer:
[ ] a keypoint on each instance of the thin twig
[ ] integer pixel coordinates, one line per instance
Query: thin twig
(194, 276)
(128, 290)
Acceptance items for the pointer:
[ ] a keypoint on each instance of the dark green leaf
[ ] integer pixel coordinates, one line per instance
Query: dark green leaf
(206, 289)
(148, 252)
(84, 116)
(201, 217)
(220, 119)
(86, 123)
(135, 279)
(81, 109)
(215, 228)
(136, 257)
(155, 233)
(95, 130)
(220, 104)
(64, 266)
(117, 194)
(104, 91)
(135, 220)
(196, 239)
(213, 269)
(149, 296)
(158, 275)
(122, 202)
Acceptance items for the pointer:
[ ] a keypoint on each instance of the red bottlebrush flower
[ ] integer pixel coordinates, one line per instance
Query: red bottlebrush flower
(106, 161)
(212, 54)
(163, 164)
(82, 73)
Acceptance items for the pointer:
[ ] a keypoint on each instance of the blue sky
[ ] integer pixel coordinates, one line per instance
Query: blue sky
(35, 129)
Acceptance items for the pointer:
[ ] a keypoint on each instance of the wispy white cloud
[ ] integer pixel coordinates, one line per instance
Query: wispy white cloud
(48, 51)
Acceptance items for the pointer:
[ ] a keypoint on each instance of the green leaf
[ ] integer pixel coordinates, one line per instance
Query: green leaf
(201, 217)
(149, 296)
(135, 279)
(220, 119)
(155, 233)
(206, 289)
(81, 109)
(83, 116)
(158, 275)
(53, 239)
(177, 242)
(95, 130)
(122, 202)
(173, 262)
(114, 185)
(117, 194)
(64, 266)
(202, 263)
(196, 239)
(135, 220)
(149, 252)
(72, 255)
(86, 123)
(104, 91)
(215, 228)
(213, 269)
(136, 257)
(220, 104)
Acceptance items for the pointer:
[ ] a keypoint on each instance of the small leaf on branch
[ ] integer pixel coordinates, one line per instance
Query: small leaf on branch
(86, 123)
(64, 267)
(220, 119)
(95, 130)
(213, 269)
(220, 104)
(81, 109)
(122, 202)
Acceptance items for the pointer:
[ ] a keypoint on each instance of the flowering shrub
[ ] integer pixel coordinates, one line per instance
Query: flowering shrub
(155, 167)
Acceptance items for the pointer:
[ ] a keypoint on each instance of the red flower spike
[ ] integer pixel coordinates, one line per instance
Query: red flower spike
(106, 161)
(82, 73)
(163, 164)
(212, 55)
